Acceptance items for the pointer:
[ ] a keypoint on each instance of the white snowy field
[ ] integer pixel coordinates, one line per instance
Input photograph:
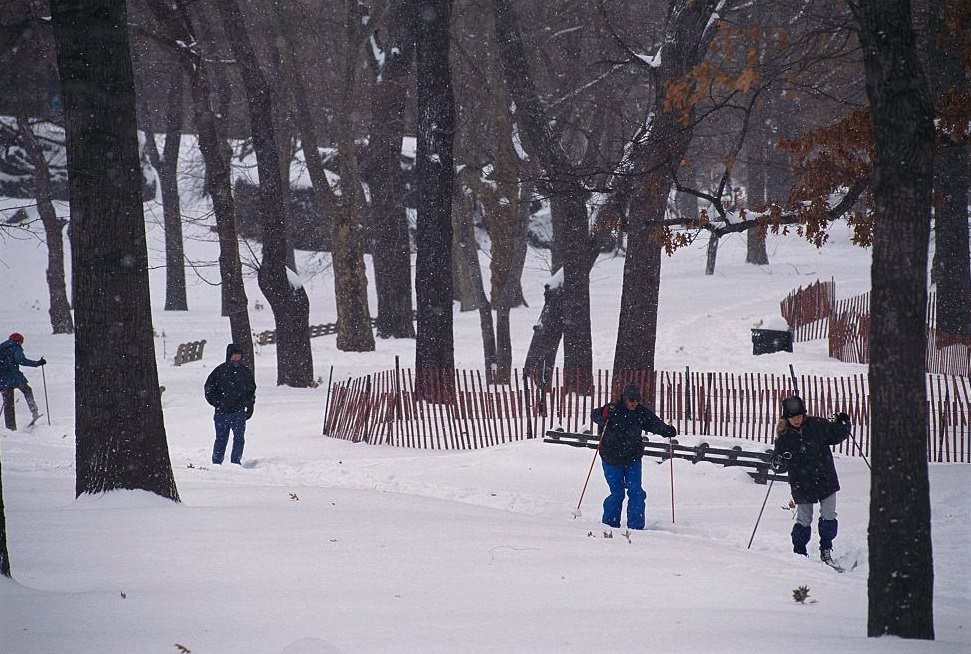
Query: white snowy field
(316, 545)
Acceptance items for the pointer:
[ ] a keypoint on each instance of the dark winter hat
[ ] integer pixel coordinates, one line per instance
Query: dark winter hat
(232, 349)
(17, 337)
(631, 392)
(793, 406)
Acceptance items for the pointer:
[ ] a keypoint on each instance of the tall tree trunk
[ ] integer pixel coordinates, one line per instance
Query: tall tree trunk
(951, 269)
(347, 234)
(120, 431)
(60, 309)
(434, 345)
(178, 26)
(392, 269)
(325, 199)
(4, 554)
(567, 200)
(284, 292)
(167, 166)
(901, 581)
(654, 161)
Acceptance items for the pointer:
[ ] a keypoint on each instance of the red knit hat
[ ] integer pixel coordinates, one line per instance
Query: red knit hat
(17, 337)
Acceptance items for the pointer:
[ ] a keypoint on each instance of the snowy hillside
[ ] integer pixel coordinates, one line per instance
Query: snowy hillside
(316, 545)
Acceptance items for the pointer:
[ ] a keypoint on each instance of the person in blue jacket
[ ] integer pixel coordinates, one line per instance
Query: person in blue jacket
(11, 358)
(621, 450)
(802, 448)
(231, 390)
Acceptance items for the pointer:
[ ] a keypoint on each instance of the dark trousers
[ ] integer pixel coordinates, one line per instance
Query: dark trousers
(224, 423)
(619, 479)
(9, 417)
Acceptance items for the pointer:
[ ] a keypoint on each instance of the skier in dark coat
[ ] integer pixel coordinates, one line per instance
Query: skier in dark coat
(11, 358)
(621, 450)
(802, 449)
(231, 389)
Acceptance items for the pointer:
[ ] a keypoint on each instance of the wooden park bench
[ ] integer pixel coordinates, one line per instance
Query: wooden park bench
(759, 462)
(191, 351)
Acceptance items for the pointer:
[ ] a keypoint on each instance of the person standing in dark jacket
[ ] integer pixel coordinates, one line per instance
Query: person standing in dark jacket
(802, 448)
(621, 450)
(11, 358)
(231, 389)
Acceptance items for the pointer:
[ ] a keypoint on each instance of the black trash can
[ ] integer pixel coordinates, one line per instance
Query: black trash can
(767, 341)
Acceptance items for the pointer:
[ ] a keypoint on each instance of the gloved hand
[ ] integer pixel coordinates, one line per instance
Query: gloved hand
(780, 462)
(249, 412)
(842, 417)
(670, 431)
(42, 361)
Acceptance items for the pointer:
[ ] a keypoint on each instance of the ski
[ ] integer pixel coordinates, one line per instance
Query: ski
(835, 566)
(36, 418)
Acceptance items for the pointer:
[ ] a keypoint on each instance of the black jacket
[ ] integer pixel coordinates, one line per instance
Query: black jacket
(621, 443)
(812, 473)
(230, 388)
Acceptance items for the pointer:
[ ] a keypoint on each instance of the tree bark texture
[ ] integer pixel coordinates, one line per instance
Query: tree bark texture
(901, 581)
(178, 26)
(62, 322)
(567, 200)
(654, 161)
(951, 270)
(4, 554)
(389, 223)
(347, 234)
(120, 431)
(434, 345)
(287, 297)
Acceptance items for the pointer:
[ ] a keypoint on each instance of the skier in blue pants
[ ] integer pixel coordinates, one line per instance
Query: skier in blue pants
(621, 450)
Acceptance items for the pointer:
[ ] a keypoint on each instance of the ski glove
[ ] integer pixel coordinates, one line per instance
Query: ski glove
(670, 431)
(249, 412)
(842, 417)
(780, 462)
(42, 361)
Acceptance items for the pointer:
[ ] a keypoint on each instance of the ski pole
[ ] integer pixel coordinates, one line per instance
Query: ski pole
(577, 513)
(862, 455)
(771, 481)
(47, 405)
(671, 459)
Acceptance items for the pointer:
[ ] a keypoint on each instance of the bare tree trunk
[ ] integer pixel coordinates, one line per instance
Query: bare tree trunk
(392, 269)
(167, 165)
(901, 581)
(179, 29)
(654, 162)
(120, 430)
(60, 308)
(434, 345)
(4, 554)
(287, 297)
(567, 201)
(951, 270)
(350, 282)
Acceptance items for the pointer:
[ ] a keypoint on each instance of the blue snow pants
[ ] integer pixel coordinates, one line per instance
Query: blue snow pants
(224, 422)
(622, 478)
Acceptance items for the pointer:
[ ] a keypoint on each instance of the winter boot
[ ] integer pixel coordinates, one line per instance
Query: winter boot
(800, 537)
(827, 532)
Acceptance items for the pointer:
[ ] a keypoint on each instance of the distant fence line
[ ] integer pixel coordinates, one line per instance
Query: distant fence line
(268, 337)
(384, 408)
(813, 313)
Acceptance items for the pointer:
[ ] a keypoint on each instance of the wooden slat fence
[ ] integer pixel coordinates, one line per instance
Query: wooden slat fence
(807, 310)
(384, 408)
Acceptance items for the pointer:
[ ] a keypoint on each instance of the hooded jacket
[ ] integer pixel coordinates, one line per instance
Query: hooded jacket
(11, 358)
(812, 472)
(231, 388)
(621, 443)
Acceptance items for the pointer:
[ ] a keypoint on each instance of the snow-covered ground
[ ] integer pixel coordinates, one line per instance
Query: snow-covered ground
(316, 545)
